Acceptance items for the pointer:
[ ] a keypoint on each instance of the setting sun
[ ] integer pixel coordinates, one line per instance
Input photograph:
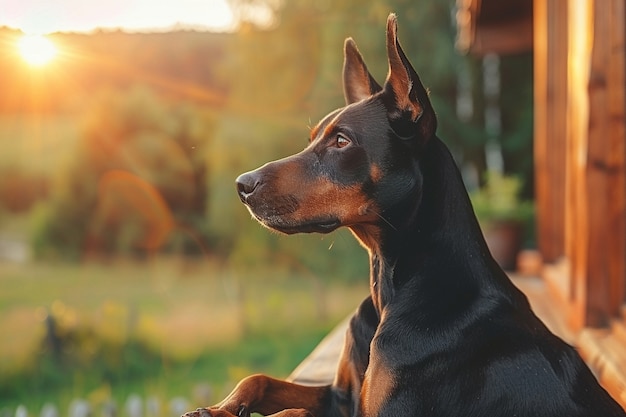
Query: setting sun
(37, 50)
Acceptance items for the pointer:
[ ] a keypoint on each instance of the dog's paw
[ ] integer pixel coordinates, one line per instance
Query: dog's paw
(199, 412)
(217, 412)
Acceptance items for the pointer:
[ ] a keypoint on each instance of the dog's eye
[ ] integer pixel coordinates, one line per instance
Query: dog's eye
(342, 141)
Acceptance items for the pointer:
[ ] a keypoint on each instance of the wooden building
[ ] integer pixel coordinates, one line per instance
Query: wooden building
(580, 168)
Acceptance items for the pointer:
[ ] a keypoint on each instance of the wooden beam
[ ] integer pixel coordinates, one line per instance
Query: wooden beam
(503, 38)
(494, 26)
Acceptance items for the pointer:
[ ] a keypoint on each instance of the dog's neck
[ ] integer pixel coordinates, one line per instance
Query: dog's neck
(441, 253)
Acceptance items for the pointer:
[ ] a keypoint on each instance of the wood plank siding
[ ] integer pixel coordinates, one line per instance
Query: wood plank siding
(580, 166)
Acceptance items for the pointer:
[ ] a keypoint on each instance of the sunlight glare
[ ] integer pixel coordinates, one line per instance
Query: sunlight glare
(36, 50)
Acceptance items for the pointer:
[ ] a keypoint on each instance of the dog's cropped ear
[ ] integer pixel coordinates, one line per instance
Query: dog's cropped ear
(358, 83)
(410, 98)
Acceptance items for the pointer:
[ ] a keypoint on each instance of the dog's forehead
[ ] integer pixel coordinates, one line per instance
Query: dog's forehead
(355, 117)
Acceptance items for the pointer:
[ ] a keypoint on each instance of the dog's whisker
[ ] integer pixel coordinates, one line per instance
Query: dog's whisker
(386, 221)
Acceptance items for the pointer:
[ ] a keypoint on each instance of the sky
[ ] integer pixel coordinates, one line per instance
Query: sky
(47, 16)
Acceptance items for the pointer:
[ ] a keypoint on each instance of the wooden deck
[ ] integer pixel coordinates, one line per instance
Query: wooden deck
(603, 349)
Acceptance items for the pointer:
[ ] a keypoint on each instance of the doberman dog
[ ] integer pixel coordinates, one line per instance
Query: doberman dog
(444, 331)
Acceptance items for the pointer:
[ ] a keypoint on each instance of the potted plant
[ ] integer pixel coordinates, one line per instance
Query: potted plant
(502, 216)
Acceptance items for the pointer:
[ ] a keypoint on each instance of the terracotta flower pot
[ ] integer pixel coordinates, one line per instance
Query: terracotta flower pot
(504, 238)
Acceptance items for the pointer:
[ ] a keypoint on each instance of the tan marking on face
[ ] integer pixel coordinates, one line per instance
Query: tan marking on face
(325, 198)
(329, 128)
(376, 173)
(364, 209)
(314, 132)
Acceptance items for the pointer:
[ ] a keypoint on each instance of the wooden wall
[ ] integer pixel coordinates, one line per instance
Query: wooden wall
(580, 154)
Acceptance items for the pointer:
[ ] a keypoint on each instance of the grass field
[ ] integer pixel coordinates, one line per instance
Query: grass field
(158, 327)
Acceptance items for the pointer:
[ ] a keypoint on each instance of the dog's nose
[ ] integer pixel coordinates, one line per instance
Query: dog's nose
(246, 184)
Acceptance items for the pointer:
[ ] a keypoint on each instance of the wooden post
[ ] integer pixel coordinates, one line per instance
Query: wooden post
(550, 91)
(595, 230)
(576, 227)
(605, 172)
(616, 126)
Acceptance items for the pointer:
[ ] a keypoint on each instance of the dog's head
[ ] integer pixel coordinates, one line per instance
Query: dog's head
(362, 161)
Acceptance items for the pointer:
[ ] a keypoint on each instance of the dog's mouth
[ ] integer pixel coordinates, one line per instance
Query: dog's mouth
(326, 226)
(291, 226)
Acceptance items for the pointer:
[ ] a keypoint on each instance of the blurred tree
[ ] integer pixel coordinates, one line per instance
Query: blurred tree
(517, 119)
(160, 151)
(20, 190)
(274, 77)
